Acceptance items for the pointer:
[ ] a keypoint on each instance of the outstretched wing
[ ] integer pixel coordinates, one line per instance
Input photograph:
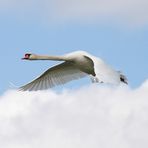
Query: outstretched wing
(57, 75)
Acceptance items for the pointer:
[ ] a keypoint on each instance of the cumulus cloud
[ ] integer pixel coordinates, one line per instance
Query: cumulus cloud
(132, 12)
(93, 116)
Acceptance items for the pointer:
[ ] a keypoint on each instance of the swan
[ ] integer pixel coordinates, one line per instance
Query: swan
(75, 65)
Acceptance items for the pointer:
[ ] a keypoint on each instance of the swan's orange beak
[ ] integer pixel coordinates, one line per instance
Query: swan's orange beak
(26, 57)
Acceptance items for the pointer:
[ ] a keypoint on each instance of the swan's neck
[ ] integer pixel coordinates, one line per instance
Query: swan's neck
(42, 57)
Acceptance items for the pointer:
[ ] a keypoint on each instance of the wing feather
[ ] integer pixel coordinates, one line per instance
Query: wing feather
(57, 75)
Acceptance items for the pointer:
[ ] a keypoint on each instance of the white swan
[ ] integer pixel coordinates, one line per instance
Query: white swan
(76, 65)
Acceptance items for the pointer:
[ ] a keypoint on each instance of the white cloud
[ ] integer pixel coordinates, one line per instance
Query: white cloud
(131, 12)
(94, 116)
(127, 11)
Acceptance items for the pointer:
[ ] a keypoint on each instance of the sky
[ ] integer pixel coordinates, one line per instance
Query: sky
(116, 31)
(67, 116)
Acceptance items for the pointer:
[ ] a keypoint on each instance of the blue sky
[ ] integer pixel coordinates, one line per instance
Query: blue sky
(102, 28)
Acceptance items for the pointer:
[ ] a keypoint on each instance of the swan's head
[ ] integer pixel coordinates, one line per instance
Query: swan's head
(28, 56)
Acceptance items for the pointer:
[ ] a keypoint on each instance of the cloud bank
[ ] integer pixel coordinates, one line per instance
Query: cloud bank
(94, 116)
(131, 12)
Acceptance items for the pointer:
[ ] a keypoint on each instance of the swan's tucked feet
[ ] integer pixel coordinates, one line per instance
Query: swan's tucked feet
(94, 79)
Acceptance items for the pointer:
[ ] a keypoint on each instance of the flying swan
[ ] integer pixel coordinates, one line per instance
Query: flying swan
(76, 65)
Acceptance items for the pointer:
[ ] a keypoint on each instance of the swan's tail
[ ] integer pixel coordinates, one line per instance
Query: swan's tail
(123, 78)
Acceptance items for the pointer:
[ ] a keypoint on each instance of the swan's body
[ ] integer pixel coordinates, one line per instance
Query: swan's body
(76, 65)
